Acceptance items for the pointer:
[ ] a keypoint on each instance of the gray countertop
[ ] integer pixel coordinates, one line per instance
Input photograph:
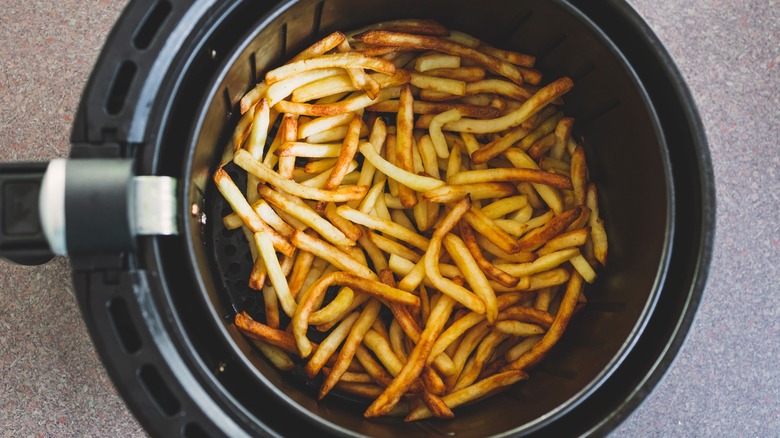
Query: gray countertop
(725, 381)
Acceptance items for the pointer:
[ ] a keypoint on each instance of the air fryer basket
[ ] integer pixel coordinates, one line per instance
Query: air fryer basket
(164, 94)
(628, 156)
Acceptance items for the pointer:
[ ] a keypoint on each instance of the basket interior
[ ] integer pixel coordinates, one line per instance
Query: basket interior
(627, 160)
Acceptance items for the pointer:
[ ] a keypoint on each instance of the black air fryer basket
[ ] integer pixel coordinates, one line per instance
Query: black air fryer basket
(160, 286)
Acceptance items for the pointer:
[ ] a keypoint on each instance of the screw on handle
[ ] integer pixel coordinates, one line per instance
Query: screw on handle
(22, 239)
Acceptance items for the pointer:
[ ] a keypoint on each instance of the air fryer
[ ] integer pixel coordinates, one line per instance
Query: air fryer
(159, 279)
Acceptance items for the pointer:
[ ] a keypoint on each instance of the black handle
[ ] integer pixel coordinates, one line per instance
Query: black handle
(21, 236)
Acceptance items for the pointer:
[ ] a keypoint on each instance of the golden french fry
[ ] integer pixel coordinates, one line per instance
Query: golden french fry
(347, 352)
(242, 208)
(351, 104)
(473, 392)
(453, 193)
(396, 39)
(416, 182)
(474, 276)
(434, 108)
(439, 142)
(345, 193)
(307, 215)
(417, 358)
(597, 231)
(557, 225)
(438, 84)
(569, 239)
(514, 174)
(329, 345)
(579, 175)
(434, 60)
(530, 107)
(487, 267)
(492, 232)
(566, 309)
(284, 88)
(320, 47)
(342, 60)
(466, 74)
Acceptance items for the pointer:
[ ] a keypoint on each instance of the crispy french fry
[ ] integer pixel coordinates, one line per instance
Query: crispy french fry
(264, 173)
(530, 107)
(396, 39)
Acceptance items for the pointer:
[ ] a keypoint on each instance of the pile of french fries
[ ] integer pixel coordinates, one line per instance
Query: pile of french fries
(416, 168)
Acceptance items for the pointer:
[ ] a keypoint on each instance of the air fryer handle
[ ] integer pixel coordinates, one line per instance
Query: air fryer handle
(81, 207)
(22, 239)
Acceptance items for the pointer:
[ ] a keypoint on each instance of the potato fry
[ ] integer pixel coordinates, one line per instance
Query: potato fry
(473, 392)
(439, 142)
(242, 208)
(396, 39)
(438, 84)
(307, 215)
(474, 276)
(466, 74)
(530, 107)
(416, 182)
(597, 231)
(565, 311)
(543, 263)
(492, 232)
(320, 47)
(329, 345)
(345, 193)
(351, 104)
(343, 60)
(579, 175)
(557, 225)
(347, 352)
(434, 60)
(456, 192)
(502, 175)
(414, 365)
(566, 240)
(487, 267)
(433, 108)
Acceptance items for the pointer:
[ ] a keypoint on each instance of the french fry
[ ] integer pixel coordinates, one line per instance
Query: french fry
(414, 365)
(515, 174)
(320, 47)
(557, 225)
(433, 108)
(242, 208)
(307, 215)
(487, 267)
(466, 74)
(329, 345)
(345, 193)
(342, 60)
(473, 392)
(597, 231)
(347, 352)
(396, 39)
(565, 311)
(474, 276)
(403, 146)
(439, 142)
(456, 192)
(351, 104)
(530, 107)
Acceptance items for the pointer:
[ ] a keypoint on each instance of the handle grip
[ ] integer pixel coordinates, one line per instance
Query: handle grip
(22, 239)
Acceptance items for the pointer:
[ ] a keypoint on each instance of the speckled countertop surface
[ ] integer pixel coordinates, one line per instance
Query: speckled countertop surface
(726, 380)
